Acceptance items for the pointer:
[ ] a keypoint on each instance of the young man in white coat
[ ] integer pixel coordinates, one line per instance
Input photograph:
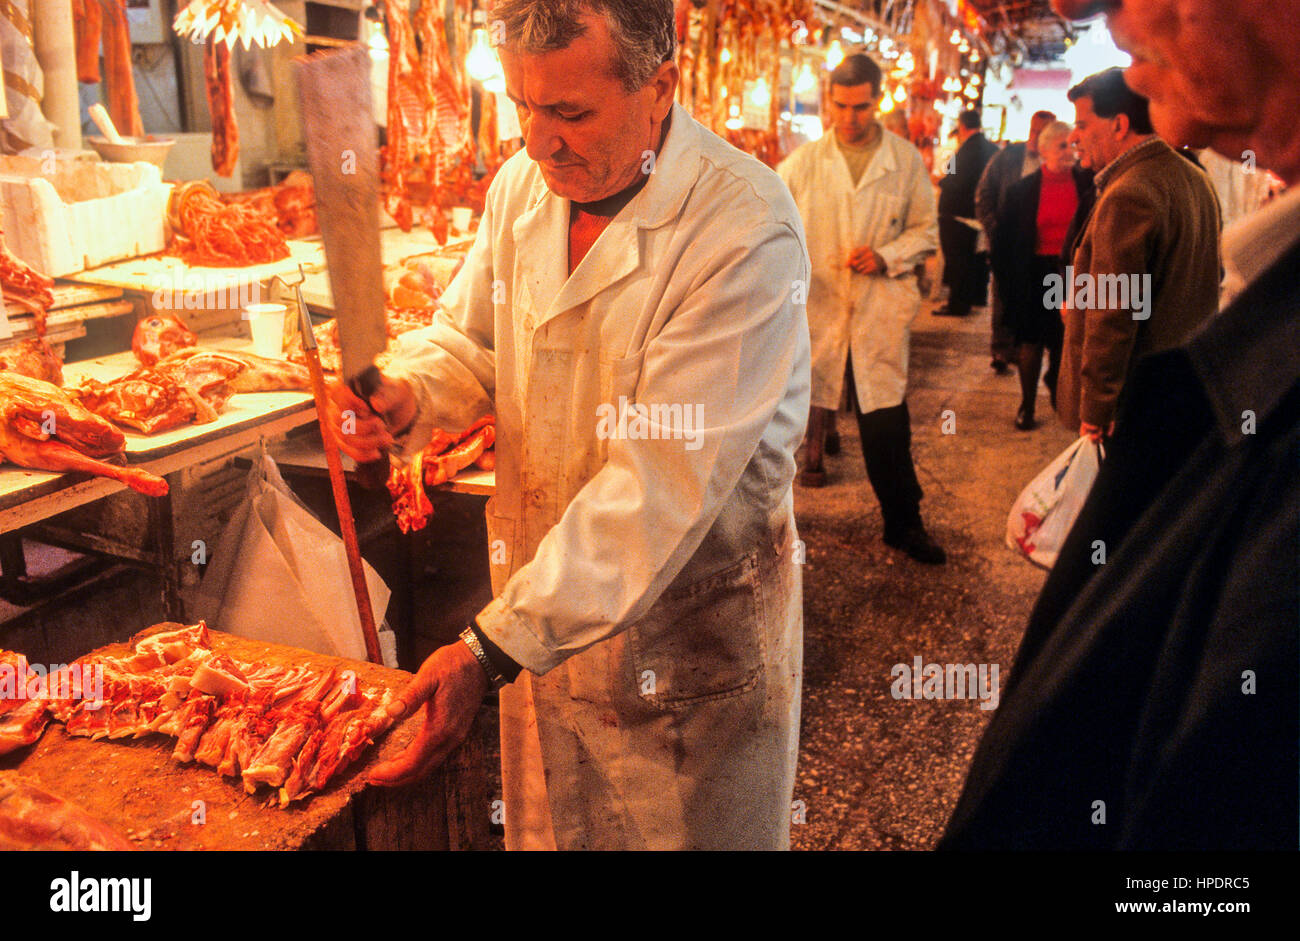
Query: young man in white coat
(629, 310)
(869, 212)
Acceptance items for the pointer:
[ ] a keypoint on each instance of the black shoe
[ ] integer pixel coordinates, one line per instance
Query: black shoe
(916, 542)
(832, 445)
(1025, 420)
(1000, 366)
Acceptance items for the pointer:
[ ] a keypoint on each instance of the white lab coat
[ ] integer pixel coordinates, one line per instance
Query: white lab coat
(892, 209)
(649, 587)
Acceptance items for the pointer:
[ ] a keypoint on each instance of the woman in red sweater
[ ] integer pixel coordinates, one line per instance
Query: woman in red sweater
(1032, 238)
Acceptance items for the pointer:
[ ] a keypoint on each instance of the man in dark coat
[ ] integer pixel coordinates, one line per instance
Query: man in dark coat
(1013, 164)
(1153, 702)
(964, 271)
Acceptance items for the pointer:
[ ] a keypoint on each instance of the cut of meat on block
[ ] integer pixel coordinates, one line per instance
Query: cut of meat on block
(252, 720)
(32, 818)
(221, 104)
(22, 709)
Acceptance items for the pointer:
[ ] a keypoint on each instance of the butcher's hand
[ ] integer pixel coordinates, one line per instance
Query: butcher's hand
(364, 430)
(866, 260)
(450, 685)
(1093, 432)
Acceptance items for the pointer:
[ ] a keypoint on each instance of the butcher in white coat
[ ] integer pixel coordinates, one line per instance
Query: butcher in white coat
(631, 310)
(869, 211)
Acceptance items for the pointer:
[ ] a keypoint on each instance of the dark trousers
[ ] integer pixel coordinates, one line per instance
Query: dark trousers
(965, 272)
(887, 449)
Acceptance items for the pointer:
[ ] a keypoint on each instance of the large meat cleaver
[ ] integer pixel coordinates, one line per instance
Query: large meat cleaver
(342, 152)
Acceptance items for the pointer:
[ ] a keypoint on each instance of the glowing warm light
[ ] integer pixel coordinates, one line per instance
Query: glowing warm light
(481, 63)
(760, 95)
(723, 93)
(886, 104)
(900, 94)
(955, 37)
(231, 21)
(726, 56)
(805, 81)
(835, 55)
(950, 84)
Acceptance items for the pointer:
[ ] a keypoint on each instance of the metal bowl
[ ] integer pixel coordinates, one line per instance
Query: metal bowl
(132, 149)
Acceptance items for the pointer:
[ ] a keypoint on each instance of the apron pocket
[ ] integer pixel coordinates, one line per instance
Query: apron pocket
(702, 642)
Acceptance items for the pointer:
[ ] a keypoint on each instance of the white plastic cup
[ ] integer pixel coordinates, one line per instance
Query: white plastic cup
(267, 324)
(461, 216)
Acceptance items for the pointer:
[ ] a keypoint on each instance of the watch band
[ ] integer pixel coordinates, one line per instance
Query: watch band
(495, 679)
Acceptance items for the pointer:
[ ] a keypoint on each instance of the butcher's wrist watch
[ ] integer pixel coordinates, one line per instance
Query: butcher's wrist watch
(475, 645)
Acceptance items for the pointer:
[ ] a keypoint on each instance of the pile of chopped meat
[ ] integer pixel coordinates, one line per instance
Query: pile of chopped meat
(290, 728)
(210, 232)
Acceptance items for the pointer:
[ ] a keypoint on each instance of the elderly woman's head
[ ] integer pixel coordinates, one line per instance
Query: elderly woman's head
(1054, 148)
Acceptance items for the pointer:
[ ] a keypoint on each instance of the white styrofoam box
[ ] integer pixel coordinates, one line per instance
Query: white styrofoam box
(84, 215)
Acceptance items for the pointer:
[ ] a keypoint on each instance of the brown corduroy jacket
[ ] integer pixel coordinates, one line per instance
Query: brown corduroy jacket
(1156, 215)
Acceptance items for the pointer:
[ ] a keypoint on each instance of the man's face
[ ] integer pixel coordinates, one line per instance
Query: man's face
(853, 111)
(1212, 69)
(1096, 139)
(1036, 125)
(587, 134)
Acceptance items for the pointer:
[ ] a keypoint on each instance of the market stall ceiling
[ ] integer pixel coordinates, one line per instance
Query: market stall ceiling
(1029, 26)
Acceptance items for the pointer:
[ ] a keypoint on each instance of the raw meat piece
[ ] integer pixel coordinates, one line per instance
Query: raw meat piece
(215, 741)
(220, 676)
(32, 818)
(119, 80)
(221, 105)
(274, 760)
(249, 372)
(194, 719)
(213, 233)
(291, 202)
(87, 22)
(147, 400)
(442, 459)
(158, 336)
(33, 358)
(45, 428)
(251, 729)
(23, 286)
(22, 717)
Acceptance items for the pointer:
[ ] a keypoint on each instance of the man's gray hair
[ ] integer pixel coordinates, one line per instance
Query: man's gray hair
(644, 31)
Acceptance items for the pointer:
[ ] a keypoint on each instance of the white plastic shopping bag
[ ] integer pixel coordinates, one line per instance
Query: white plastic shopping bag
(1042, 515)
(279, 575)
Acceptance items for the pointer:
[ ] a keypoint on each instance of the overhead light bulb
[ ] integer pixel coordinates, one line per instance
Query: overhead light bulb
(805, 81)
(900, 94)
(834, 55)
(760, 95)
(886, 104)
(481, 62)
(725, 57)
(955, 37)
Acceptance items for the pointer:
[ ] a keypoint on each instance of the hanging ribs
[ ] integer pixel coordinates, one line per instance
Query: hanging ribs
(221, 104)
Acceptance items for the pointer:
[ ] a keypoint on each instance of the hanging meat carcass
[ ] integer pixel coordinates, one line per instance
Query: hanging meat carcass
(119, 80)
(87, 24)
(221, 105)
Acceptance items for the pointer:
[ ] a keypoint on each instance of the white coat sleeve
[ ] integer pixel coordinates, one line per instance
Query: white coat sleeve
(920, 235)
(733, 351)
(450, 365)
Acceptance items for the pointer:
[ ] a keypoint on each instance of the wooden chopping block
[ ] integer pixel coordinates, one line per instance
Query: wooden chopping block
(135, 786)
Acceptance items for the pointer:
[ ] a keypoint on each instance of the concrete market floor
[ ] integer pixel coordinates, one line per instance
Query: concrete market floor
(877, 772)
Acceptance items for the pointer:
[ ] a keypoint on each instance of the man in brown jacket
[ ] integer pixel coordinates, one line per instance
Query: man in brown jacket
(1146, 269)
